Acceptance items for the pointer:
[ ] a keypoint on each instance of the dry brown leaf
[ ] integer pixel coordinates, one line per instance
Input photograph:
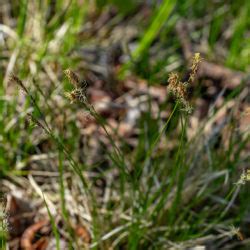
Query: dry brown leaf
(29, 235)
(82, 232)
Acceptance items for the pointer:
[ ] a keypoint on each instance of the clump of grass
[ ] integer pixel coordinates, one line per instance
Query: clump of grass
(153, 190)
(163, 197)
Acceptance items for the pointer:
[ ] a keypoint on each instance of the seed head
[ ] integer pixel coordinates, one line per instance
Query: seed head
(79, 92)
(194, 67)
(179, 88)
(173, 80)
(74, 79)
(17, 81)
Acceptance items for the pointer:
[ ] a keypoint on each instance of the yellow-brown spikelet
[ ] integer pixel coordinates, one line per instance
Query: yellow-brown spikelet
(73, 78)
(173, 80)
(16, 80)
(176, 86)
(179, 88)
(79, 92)
(194, 67)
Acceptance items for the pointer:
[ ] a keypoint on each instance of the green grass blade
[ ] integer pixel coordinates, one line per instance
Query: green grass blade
(22, 17)
(162, 15)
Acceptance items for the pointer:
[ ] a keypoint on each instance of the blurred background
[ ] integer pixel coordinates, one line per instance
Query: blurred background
(143, 142)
